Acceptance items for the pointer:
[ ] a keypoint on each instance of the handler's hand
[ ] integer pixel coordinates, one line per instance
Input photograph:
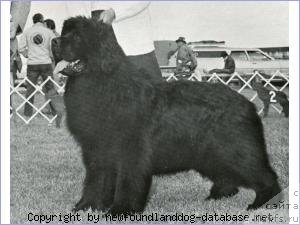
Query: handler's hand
(24, 53)
(107, 16)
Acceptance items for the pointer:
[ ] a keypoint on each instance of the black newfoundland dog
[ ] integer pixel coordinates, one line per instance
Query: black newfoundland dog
(131, 128)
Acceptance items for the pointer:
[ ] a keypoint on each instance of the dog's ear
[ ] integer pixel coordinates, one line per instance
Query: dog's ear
(106, 54)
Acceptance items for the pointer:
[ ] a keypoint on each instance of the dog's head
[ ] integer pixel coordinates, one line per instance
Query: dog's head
(89, 41)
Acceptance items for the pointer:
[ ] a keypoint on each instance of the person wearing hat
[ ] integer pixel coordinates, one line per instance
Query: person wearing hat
(229, 64)
(185, 57)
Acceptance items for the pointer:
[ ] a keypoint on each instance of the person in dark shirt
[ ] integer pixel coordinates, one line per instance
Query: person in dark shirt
(229, 66)
(51, 25)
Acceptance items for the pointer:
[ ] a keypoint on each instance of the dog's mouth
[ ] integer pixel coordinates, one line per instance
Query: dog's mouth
(74, 68)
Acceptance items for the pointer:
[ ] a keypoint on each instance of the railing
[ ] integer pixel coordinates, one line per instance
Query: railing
(243, 80)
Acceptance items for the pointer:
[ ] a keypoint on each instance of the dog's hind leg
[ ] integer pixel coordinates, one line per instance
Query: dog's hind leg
(217, 170)
(222, 189)
(285, 109)
(266, 190)
(266, 108)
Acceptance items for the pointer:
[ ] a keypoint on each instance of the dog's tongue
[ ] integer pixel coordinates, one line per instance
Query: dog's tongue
(60, 66)
(71, 68)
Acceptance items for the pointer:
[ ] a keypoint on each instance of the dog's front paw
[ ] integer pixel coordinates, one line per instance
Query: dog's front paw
(118, 210)
(85, 205)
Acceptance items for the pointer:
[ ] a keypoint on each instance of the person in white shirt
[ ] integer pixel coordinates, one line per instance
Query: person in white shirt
(36, 41)
(131, 23)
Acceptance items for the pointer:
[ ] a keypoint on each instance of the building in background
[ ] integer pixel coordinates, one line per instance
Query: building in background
(277, 52)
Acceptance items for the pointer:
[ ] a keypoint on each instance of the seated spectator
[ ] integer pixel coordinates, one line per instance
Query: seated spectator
(229, 66)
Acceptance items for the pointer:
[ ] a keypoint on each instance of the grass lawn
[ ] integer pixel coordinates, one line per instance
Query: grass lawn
(47, 175)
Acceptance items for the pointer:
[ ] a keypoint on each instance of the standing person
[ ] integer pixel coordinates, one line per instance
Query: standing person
(18, 16)
(50, 24)
(185, 57)
(131, 22)
(132, 26)
(36, 40)
(229, 66)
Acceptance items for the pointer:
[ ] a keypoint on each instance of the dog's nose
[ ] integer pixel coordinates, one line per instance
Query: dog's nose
(56, 49)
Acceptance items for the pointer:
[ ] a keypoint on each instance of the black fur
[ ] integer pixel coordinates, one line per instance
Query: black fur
(265, 94)
(131, 128)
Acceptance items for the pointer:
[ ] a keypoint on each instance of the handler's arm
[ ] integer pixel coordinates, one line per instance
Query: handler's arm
(121, 11)
(126, 11)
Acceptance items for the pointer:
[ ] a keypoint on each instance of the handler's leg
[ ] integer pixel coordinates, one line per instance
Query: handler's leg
(32, 75)
(47, 71)
(266, 108)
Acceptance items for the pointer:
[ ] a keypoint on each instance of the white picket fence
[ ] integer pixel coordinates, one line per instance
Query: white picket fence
(16, 111)
(244, 80)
